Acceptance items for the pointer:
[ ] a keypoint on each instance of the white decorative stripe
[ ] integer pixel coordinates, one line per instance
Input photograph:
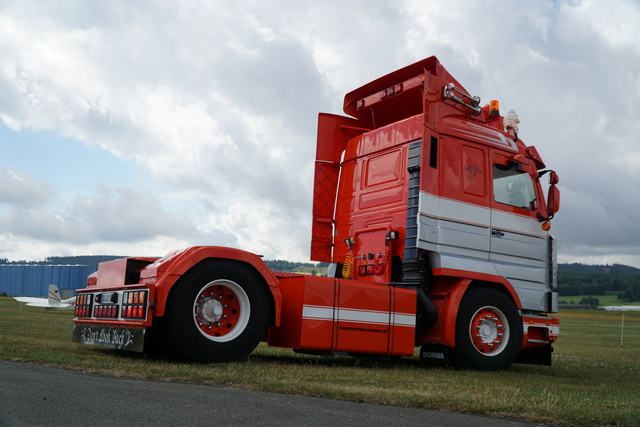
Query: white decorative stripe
(400, 319)
(487, 135)
(455, 210)
(363, 316)
(352, 315)
(518, 223)
(317, 312)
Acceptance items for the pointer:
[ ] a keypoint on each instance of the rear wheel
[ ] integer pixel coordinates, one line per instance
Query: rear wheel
(488, 330)
(218, 312)
(221, 310)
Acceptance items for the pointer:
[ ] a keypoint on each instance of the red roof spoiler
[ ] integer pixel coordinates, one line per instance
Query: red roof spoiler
(405, 101)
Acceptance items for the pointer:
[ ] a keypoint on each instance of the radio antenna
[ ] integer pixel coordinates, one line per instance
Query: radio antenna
(496, 88)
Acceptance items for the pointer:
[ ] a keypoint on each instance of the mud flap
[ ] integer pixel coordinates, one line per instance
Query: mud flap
(109, 336)
(536, 356)
(434, 354)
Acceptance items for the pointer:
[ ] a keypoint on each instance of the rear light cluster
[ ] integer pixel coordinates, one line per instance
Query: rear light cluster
(106, 305)
(131, 305)
(134, 304)
(106, 311)
(83, 305)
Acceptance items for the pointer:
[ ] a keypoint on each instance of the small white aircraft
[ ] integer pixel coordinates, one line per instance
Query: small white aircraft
(53, 302)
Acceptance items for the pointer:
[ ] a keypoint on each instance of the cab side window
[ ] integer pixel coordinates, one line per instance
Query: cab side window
(513, 187)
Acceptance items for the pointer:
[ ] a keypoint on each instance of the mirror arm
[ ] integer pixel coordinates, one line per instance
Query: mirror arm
(542, 218)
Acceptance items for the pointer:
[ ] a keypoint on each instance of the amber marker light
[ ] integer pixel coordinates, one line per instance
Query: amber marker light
(494, 107)
(546, 226)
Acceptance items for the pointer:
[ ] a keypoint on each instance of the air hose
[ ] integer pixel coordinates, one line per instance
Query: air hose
(380, 267)
(347, 267)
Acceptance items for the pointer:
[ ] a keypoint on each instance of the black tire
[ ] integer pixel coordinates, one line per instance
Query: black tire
(488, 330)
(217, 312)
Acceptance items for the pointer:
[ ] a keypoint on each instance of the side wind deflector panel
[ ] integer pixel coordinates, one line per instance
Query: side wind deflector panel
(333, 133)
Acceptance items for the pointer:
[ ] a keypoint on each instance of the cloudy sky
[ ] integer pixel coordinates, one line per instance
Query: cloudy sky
(135, 128)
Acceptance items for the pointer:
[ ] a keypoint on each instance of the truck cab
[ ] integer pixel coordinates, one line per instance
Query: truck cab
(431, 191)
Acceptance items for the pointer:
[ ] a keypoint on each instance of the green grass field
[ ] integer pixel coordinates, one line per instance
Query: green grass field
(595, 378)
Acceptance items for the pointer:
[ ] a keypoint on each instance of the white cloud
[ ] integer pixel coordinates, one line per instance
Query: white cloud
(265, 228)
(615, 24)
(123, 214)
(22, 190)
(216, 102)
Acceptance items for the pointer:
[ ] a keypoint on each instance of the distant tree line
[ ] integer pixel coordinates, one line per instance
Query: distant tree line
(587, 268)
(315, 269)
(590, 280)
(282, 265)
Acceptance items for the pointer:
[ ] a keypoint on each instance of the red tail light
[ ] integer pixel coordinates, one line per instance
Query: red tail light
(83, 306)
(134, 305)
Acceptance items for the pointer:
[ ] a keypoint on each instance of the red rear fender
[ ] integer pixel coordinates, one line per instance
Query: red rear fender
(166, 271)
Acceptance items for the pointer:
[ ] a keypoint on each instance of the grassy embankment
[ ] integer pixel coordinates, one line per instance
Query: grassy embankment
(594, 379)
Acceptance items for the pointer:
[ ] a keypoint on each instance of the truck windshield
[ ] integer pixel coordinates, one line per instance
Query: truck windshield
(513, 187)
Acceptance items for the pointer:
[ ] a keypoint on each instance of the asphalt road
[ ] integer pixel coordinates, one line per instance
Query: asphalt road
(32, 395)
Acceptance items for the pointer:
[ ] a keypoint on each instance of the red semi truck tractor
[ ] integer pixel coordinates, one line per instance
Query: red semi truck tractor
(431, 213)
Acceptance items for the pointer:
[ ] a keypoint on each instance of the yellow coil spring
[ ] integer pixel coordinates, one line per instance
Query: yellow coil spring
(347, 267)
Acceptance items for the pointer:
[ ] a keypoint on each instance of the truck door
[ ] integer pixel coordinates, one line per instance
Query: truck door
(518, 244)
(455, 221)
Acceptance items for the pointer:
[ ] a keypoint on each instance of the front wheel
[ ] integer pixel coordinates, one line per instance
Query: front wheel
(218, 312)
(488, 330)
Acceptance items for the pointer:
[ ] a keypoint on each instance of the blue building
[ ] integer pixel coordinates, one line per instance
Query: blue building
(34, 280)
